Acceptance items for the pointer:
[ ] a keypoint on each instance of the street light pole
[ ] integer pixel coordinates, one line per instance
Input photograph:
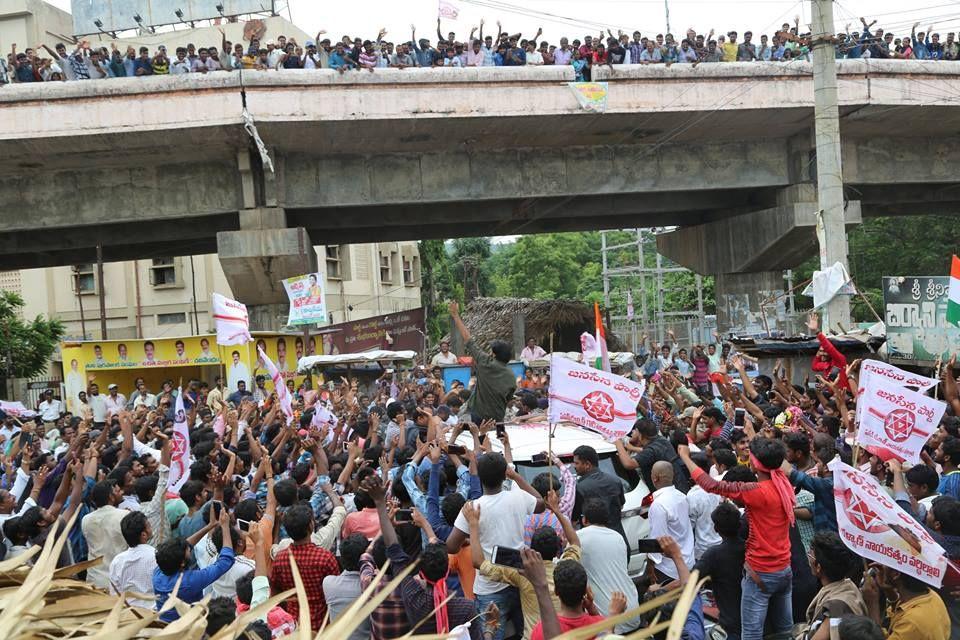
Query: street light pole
(831, 224)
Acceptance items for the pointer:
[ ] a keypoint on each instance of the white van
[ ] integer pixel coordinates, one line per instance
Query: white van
(526, 440)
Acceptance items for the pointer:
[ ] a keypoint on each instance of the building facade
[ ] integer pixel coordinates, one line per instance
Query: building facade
(163, 297)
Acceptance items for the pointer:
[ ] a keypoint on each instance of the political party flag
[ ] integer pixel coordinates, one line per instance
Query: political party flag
(887, 371)
(180, 460)
(603, 359)
(448, 10)
(233, 325)
(873, 526)
(283, 394)
(953, 297)
(896, 420)
(597, 400)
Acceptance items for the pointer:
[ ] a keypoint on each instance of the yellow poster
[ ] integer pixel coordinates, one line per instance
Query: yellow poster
(592, 96)
(74, 375)
(141, 354)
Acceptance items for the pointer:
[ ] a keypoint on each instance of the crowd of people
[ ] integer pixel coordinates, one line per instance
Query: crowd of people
(83, 61)
(373, 491)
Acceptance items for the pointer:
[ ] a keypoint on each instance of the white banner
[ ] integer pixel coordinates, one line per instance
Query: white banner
(897, 419)
(873, 526)
(896, 375)
(17, 410)
(283, 394)
(448, 10)
(180, 446)
(233, 325)
(308, 302)
(598, 400)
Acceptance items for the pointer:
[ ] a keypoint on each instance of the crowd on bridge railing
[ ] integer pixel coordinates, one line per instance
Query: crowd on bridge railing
(86, 62)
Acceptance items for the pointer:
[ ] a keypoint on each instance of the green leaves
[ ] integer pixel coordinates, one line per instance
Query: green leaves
(28, 345)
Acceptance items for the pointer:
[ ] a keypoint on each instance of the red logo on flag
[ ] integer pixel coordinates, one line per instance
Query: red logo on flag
(178, 445)
(598, 406)
(861, 515)
(899, 424)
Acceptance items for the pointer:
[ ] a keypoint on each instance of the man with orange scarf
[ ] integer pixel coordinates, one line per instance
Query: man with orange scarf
(768, 579)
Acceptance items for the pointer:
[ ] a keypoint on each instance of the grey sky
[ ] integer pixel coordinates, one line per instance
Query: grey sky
(575, 19)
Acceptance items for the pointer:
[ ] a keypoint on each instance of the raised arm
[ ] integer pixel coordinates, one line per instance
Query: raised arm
(454, 309)
(553, 503)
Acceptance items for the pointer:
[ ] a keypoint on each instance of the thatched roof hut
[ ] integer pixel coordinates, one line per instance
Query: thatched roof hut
(555, 324)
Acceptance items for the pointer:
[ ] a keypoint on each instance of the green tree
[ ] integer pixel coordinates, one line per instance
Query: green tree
(470, 268)
(25, 346)
(437, 286)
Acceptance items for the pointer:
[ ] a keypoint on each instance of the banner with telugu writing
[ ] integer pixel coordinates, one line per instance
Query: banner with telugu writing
(308, 302)
(448, 10)
(592, 96)
(592, 398)
(887, 371)
(233, 324)
(896, 420)
(873, 526)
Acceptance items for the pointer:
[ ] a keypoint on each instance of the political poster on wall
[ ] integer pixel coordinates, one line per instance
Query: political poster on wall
(592, 398)
(308, 301)
(915, 313)
(873, 526)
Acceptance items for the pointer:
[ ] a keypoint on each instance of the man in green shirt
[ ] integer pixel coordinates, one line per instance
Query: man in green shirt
(496, 383)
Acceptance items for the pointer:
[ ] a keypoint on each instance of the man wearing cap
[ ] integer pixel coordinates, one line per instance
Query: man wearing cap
(730, 48)
(115, 402)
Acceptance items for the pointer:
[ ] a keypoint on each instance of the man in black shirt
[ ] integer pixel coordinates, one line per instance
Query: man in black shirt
(655, 448)
(723, 563)
(593, 483)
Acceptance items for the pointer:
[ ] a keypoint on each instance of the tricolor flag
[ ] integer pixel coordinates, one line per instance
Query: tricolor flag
(180, 446)
(603, 358)
(953, 298)
(283, 394)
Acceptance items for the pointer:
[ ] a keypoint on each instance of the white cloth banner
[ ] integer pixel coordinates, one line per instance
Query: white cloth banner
(233, 325)
(887, 371)
(448, 10)
(897, 419)
(17, 410)
(873, 526)
(597, 400)
(826, 284)
(308, 302)
(180, 446)
(283, 394)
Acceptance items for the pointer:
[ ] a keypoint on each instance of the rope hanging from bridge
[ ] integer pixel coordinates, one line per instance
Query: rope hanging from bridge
(251, 128)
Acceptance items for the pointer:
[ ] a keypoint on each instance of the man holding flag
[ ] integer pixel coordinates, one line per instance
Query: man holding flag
(496, 383)
(283, 394)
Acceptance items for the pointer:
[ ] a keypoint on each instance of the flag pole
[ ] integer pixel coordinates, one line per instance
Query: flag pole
(549, 455)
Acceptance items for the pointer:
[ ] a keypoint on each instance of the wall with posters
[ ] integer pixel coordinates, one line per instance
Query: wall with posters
(915, 309)
(193, 357)
(404, 328)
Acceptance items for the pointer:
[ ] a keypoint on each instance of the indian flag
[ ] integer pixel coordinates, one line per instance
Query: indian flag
(603, 358)
(953, 302)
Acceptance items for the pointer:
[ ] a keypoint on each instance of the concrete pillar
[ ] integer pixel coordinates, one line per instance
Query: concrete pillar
(750, 303)
(262, 253)
(519, 334)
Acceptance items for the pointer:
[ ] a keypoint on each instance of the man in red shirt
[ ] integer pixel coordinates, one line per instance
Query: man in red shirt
(768, 579)
(314, 563)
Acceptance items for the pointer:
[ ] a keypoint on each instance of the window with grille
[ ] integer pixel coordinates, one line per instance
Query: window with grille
(334, 262)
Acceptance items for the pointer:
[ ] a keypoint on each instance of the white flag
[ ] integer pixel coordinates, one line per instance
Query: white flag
(598, 400)
(887, 371)
(896, 420)
(874, 527)
(233, 325)
(448, 10)
(180, 460)
(283, 394)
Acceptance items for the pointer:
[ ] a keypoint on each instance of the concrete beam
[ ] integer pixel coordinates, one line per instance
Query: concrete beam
(772, 239)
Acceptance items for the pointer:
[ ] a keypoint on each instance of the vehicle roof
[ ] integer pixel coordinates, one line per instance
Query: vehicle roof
(529, 439)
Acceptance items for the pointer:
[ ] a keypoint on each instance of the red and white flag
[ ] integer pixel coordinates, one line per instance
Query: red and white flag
(592, 398)
(873, 526)
(896, 375)
(180, 460)
(448, 10)
(233, 324)
(897, 421)
(283, 394)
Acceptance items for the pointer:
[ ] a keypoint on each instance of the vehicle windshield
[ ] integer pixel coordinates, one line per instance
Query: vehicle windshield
(530, 470)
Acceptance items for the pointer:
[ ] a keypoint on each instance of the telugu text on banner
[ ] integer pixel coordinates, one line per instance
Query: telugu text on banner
(597, 400)
(897, 419)
(873, 526)
(233, 324)
(308, 302)
(896, 375)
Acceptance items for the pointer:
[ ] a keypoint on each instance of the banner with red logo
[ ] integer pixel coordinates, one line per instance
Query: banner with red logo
(896, 420)
(283, 394)
(873, 526)
(180, 460)
(598, 400)
(896, 375)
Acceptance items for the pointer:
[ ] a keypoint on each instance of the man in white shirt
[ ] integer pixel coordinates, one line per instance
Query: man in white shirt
(144, 398)
(532, 351)
(701, 505)
(669, 516)
(116, 401)
(101, 528)
(50, 410)
(98, 406)
(445, 356)
(604, 556)
(502, 514)
(238, 371)
(132, 570)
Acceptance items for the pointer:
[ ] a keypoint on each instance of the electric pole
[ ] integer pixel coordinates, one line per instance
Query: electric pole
(831, 224)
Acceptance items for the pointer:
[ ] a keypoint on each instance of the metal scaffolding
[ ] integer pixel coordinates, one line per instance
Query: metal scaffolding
(625, 278)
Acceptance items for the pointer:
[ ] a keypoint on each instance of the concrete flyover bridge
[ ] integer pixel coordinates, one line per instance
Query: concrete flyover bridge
(158, 166)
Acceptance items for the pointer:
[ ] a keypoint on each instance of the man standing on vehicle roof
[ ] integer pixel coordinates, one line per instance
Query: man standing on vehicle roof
(496, 383)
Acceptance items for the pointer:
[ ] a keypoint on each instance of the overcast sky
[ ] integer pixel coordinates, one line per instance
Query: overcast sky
(574, 19)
